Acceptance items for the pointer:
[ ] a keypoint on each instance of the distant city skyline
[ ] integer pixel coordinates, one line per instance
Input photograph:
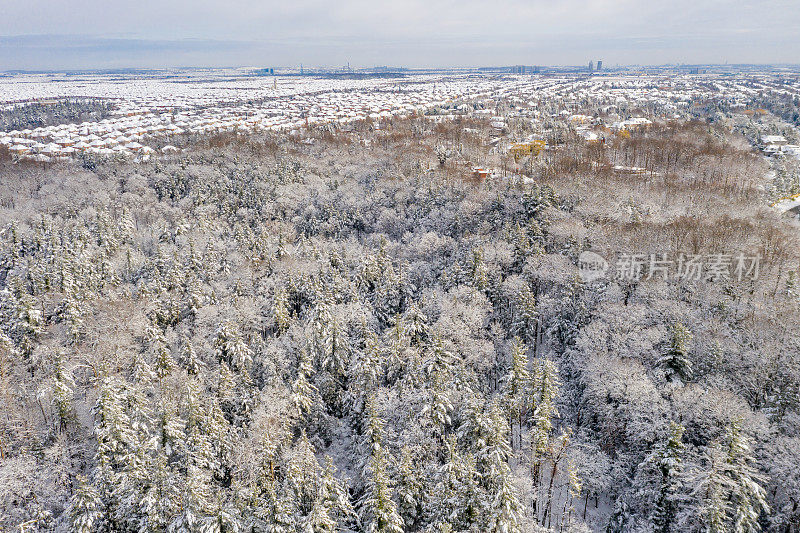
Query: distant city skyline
(94, 34)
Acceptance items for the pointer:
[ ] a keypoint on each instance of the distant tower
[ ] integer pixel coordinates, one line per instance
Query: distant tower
(599, 65)
(591, 66)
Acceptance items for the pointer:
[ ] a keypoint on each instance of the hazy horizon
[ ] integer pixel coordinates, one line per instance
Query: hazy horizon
(51, 35)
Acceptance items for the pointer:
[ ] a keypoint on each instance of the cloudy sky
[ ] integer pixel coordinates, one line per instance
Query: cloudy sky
(78, 34)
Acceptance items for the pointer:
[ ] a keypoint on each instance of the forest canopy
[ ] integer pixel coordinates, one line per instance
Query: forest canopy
(349, 331)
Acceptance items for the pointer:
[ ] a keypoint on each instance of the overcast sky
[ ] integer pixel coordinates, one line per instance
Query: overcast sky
(76, 34)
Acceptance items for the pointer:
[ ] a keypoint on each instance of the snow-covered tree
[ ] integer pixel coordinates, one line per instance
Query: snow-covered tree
(669, 459)
(675, 361)
(86, 507)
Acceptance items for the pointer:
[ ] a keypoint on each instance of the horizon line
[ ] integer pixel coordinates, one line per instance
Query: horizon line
(337, 68)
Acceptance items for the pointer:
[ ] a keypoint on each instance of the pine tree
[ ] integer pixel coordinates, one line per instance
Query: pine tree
(231, 348)
(163, 360)
(72, 311)
(505, 509)
(378, 510)
(321, 327)
(748, 498)
(668, 460)
(521, 243)
(200, 450)
(544, 389)
(225, 383)
(438, 406)
(414, 324)
(439, 360)
(333, 495)
(62, 392)
(478, 274)
(85, 509)
(26, 321)
(218, 431)
(525, 321)
(330, 342)
(196, 502)
(280, 310)
(574, 488)
(409, 490)
(303, 475)
(134, 475)
(365, 373)
(190, 359)
(675, 362)
(170, 430)
(732, 498)
(515, 383)
(117, 416)
(619, 517)
(194, 295)
(457, 500)
(714, 509)
(142, 371)
(302, 390)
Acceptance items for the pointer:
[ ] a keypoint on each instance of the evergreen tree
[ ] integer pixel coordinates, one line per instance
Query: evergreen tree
(458, 500)
(544, 390)
(195, 503)
(525, 321)
(329, 340)
(378, 509)
(715, 508)
(478, 274)
(409, 490)
(302, 390)
(732, 498)
(438, 406)
(85, 509)
(515, 383)
(280, 310)
(619, 517)
(231, 348)
(164, 364)
(414, 324)
(365, 374)
(190, 359)
(675, 362)
(333, 495)
(668, 461)
(72, 312)
(62, 392)
(505, 509)
(439, 361)
(747, 498)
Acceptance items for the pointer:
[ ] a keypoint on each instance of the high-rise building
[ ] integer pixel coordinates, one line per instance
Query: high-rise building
(599, 65)
(591, 66)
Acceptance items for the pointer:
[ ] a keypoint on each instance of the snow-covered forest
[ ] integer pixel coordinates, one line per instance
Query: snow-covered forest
(346, 331)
